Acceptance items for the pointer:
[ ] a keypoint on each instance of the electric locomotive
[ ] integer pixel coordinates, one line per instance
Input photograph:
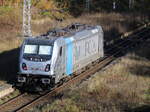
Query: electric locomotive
(47, 59)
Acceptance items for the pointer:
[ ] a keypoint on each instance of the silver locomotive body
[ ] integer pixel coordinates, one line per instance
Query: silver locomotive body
(47, 59)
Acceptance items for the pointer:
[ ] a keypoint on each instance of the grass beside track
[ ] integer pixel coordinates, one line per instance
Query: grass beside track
(123, 86)
(10, 96)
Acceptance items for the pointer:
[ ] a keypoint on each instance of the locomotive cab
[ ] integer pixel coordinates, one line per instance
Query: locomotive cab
(35, 61)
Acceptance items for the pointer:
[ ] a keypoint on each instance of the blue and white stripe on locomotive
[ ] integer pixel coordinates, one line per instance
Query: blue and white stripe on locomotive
(69, 55)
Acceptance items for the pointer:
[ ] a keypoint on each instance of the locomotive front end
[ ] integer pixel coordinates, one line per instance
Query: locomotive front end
(35, 62)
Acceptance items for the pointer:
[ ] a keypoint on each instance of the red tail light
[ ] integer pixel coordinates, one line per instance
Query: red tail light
(24, 66)
(47, 68)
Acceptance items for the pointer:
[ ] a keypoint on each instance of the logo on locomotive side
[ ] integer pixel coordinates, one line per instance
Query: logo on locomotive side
(85, 48)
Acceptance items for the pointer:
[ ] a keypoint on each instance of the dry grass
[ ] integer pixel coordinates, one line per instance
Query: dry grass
(66, 105)
(113, 24)
(10, 28)
(123, 86)
(10, 96)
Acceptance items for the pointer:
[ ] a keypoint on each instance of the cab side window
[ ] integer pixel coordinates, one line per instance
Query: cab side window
(60, 51)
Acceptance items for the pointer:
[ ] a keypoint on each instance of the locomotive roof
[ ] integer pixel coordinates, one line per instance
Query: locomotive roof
(66, 32)
(39, 40)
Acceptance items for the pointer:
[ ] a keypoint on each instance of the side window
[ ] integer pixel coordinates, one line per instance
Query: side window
(60, 51)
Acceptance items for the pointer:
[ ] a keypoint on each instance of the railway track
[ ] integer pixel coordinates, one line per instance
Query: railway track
(26, 101)
(121, 42)
(17, 102)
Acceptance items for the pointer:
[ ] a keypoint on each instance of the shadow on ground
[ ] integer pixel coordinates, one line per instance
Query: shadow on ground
(144, 108)
(141, 70)
(145, 52)
(9, 65)
(112, 34)
(142, 55)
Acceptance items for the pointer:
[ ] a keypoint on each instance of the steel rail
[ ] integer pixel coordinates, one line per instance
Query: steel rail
(10, 100)
(126, 39)
(17, 102)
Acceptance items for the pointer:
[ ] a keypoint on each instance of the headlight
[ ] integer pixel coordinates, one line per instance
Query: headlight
(24, 66)
(45, 81)
(47, 68)
(21, 79)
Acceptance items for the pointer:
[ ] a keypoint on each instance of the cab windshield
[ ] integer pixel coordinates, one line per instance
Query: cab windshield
(37, 52)
(38, 49)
